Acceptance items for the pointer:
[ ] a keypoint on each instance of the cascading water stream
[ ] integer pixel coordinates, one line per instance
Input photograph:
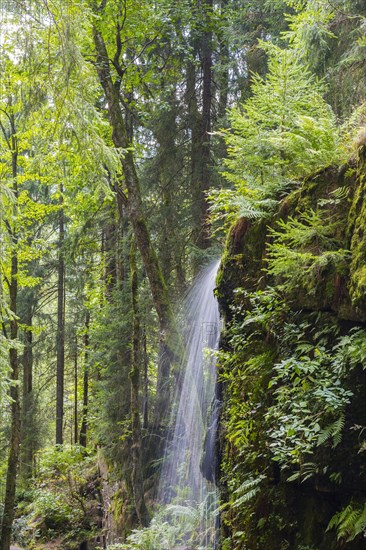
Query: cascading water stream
(191, 450)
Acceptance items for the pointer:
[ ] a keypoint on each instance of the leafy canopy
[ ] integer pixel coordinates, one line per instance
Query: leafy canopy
(282, 133)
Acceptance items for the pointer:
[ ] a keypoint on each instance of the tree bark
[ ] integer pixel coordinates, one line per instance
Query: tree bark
(76, 379)
(28, 428)
(137, 476)
(84, 422)
(109, 240)
(145, 408)
(15, 438)
(201, 129)
(60, 341)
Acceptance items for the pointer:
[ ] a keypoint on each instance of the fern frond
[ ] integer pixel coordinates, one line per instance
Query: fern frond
(249, 489)
(350, 522)
(333, 431)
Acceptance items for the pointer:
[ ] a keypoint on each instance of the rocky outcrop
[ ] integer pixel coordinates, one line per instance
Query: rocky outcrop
(302, 509)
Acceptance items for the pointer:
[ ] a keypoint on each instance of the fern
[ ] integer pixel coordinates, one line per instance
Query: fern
(350, 522)
(248, 490)
(337, 196)
(333, 431)
(282, 133)
(304, 247)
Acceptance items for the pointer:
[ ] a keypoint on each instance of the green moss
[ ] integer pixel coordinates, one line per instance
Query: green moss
(242, 261)
(264, 333)
(357, 232)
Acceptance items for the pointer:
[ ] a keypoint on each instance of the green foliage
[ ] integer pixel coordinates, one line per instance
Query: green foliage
(62, 501)
(247, 490)
(283, 132)
(304, 248)
(329, 36)
(308, 394)
(287, 379)
(173, 526)
(350, 523)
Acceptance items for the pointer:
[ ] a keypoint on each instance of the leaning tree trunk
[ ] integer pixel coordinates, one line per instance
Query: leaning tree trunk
(14, 447)
(135, 211)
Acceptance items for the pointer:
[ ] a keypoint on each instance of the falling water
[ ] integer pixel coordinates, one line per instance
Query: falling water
(188, 473)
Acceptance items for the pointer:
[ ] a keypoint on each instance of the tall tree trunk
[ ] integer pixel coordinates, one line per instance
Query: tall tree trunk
(28, 428)
(84, 422)
(109, 240)
(201, 129)
(76, 379)
(222, 81)
(223, 76)
(60, 342)
(145, 408)
(134, 205)
(204, 240)
(167, 165)
(14, 447)
(137, 477)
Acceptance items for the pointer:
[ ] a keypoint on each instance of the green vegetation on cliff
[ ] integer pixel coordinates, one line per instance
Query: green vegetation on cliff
(293, 369)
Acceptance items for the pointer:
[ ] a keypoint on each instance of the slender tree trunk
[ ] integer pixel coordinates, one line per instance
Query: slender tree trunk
(222, 80)
(167, 164)
(28, 436)
(14, 447)
(223, 76)
(137, 476)
(76, 379)
(134, 205)
(200, 124)
(60, 342)
(206, 169)
(84, 422)
(109, 240)
(145, 409)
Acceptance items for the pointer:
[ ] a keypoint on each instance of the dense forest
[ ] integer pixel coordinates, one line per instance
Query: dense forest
(163, 164)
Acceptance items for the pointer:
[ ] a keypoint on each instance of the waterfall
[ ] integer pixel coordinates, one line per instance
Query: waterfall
(191, 449)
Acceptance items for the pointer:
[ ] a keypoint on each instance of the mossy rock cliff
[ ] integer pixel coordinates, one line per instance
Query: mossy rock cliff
(296, 501)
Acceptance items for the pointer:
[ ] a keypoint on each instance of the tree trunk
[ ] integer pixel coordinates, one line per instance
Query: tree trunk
(145, 408)
(223, 76)
(109, 240)
(137, 477)
(76, 378)
(168, 165)
(28, 428)
(60, 342)
(134, 205)
(14, 447)
(201, 129)
(84, 422)
(222, 79)
(206, 170)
